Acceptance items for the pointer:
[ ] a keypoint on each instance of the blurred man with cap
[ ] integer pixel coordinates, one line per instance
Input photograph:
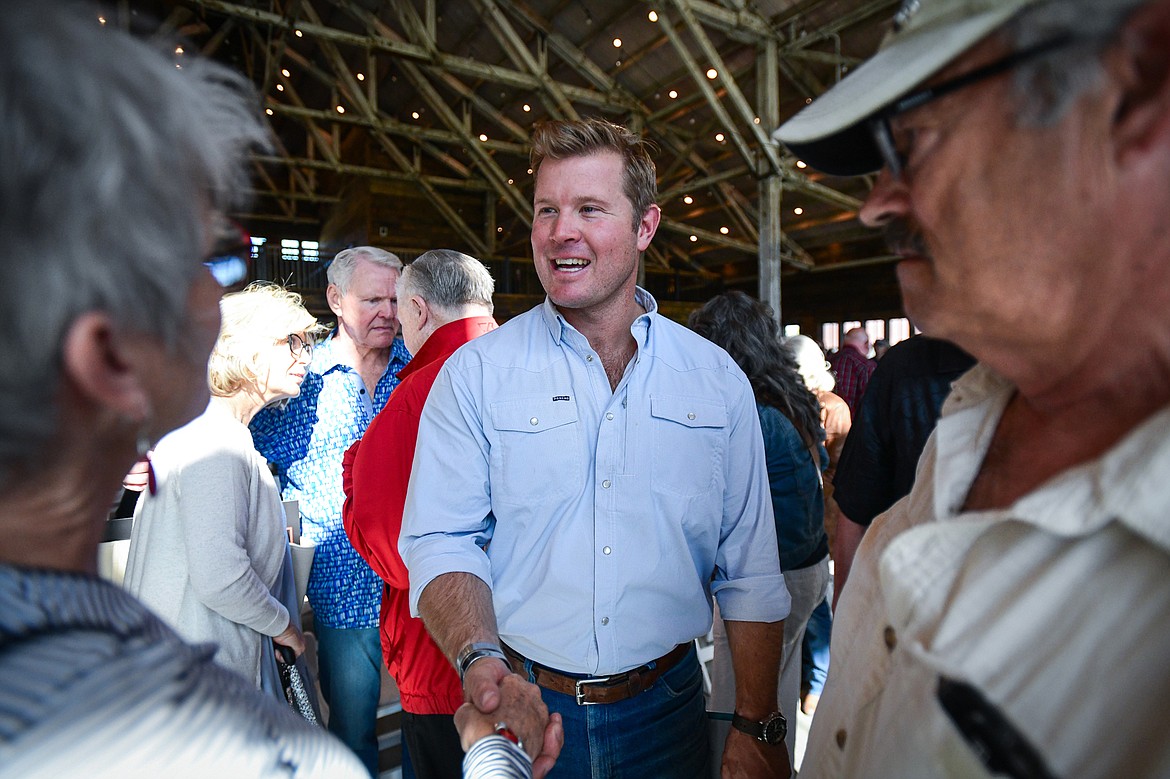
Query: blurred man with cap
(1018, 598)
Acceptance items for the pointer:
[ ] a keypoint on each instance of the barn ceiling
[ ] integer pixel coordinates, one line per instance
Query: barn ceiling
(436, 98)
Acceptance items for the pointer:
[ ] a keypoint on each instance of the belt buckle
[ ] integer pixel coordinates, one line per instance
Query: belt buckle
(580, 693)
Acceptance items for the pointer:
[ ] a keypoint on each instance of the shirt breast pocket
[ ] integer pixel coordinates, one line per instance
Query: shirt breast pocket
(689, 441)
(536, 456)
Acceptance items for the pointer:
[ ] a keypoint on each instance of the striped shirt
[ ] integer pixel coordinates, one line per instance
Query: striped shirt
(495, 757)
(93, 684)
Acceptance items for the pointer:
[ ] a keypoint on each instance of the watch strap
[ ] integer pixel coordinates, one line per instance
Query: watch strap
(771, 730)
(478, 651)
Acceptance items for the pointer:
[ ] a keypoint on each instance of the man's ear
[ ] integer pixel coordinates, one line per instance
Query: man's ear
(647, 226)
(95, 360)
(422, 310)
(1140, 63)
(333, 298)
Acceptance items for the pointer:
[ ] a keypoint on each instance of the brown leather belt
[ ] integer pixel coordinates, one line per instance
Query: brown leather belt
(601, 689)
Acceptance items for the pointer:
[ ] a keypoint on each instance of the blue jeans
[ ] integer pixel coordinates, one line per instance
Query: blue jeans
(660, 734)
(816, 648)
(349, 665)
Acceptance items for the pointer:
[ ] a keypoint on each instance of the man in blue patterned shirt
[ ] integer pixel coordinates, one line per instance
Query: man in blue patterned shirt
(349, 381)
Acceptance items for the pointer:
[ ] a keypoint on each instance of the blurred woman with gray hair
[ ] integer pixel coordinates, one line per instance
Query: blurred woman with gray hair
(209, 547)
(115, 164)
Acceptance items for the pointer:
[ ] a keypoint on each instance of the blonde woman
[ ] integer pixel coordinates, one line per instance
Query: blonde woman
(209, 547)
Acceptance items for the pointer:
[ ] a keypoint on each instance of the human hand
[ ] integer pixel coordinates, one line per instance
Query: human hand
(745, 757)
(481, 683)
(522, 710)
(292, 638)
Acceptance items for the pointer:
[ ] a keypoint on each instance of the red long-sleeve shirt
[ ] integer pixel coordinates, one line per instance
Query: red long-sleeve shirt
(375, 474)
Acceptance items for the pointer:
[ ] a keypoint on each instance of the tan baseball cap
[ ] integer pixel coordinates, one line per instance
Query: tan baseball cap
(831, 134)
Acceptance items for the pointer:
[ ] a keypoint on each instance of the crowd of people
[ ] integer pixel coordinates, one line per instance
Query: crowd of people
(528, 524)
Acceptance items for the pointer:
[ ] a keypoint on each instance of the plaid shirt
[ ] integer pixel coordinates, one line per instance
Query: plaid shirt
(306, 441)
(852, 370)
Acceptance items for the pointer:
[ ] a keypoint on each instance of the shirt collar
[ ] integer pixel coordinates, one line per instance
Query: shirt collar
(445, 340)
(324, 359)
(1122, 485)
(557, 326)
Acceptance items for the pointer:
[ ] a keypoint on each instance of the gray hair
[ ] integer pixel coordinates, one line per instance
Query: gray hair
(1047, 86)
(446, 280)
(811, 363)
(113, 161)
(341, 269)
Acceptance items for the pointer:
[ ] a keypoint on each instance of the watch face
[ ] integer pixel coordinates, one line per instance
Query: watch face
(775, 729)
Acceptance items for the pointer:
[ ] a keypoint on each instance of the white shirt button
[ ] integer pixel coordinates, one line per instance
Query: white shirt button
(605, 620)
(691, 415)
(606, 550)
(605, 484)
(609, 415)
(589, 358)
(534, 421)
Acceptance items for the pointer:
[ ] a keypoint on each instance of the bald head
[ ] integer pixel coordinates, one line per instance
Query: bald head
(858, 339)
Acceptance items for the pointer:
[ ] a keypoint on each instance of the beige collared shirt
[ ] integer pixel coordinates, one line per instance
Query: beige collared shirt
(1057, 610)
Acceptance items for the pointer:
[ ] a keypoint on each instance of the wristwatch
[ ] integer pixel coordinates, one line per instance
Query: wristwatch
(478, 651)
(771, 730)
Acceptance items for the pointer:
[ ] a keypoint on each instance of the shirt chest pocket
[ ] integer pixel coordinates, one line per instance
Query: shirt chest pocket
(536, 454)
(690, 436)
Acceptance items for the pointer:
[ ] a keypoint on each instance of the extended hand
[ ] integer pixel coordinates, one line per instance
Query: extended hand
(520, 708)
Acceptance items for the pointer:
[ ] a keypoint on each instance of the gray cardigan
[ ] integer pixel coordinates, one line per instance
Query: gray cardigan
(208, 548)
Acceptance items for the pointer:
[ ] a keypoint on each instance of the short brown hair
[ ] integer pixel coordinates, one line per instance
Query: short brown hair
(562, 139)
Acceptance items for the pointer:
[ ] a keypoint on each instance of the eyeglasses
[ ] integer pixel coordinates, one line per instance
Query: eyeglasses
(229, 269)
(229, 262)
(879, 124)
(299, 346)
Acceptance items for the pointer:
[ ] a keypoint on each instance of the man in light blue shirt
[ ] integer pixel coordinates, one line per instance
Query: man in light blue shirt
(587, 477)
(349, 381)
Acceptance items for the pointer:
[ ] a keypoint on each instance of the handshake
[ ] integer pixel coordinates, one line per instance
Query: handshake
(503, 703)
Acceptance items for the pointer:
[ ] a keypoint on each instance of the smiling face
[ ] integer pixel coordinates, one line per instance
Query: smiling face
(367, 312)
(584, 240)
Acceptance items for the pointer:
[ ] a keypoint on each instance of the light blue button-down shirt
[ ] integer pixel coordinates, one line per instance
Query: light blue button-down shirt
(612, 516)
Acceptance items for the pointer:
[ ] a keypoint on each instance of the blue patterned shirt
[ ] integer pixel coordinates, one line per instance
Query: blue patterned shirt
(306, 441)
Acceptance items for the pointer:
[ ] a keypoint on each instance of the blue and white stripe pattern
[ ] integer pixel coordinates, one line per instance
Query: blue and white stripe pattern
(93, 684)
(495, 757)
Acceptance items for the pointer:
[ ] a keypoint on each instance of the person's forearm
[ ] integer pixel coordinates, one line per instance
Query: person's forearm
(849, 535)
(755, 658)
(457, 610)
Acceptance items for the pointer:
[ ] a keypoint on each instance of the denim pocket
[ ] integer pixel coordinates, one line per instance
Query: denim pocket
(683, 679)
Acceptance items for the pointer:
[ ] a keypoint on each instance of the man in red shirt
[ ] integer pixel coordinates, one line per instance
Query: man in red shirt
(444, 301)
(852, 367)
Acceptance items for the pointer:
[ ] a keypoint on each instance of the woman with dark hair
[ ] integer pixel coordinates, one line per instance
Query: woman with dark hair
(795, 452)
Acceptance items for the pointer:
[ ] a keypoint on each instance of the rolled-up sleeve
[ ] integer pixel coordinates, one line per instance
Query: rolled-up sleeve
(447, 518)
(748, 583)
